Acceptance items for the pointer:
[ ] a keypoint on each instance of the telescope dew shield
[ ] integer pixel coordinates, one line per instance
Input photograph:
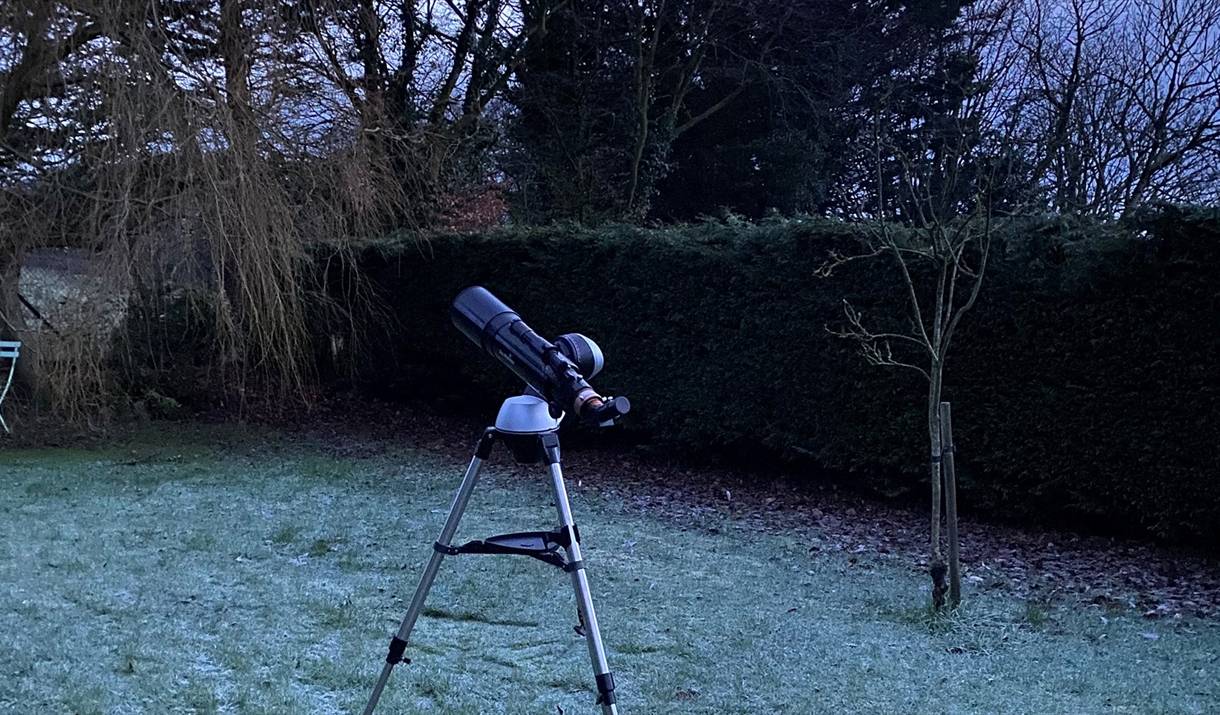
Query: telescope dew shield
(498, 329)
(582, 351)
(552, 371)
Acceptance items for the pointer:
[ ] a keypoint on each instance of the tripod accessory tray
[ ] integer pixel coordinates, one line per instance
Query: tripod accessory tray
(541, 545)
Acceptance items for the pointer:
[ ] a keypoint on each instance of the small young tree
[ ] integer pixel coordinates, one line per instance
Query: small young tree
(929, 208)
(942, 261)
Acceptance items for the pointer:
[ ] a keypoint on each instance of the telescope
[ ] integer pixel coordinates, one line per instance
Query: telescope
(529, 426)
(555, 372)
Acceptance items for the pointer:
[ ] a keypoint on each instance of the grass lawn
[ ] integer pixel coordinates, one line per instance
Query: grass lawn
(237, 570)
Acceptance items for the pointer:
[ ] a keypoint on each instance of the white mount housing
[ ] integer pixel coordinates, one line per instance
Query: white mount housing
(526, 414)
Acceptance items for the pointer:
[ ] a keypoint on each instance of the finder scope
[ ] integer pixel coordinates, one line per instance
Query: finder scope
(556, 371)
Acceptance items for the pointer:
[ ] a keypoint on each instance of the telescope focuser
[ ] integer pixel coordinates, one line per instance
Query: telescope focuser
(574, 393)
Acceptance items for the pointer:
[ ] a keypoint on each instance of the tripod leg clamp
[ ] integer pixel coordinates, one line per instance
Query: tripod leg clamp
(560, 536)
(486, 442)
(397, 647)
(605, 689)
(550, 447)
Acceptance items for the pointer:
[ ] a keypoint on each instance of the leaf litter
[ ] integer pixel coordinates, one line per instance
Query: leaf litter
(1040, 565)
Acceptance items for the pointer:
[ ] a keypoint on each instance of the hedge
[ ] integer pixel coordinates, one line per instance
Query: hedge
(1089, 388)
(1084, 383)
(717, 334)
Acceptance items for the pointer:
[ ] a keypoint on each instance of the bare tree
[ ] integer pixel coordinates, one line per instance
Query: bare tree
(932, 218)
(425, 72)
(948, 254)
(1119, 102)
(1170, 70)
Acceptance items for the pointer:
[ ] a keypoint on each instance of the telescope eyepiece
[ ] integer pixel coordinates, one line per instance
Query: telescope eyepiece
(605, 410)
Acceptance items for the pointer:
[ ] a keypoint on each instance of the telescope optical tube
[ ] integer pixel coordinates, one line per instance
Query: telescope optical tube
(496, 328)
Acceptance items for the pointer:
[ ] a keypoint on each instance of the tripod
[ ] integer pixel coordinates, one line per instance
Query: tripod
(525, 425)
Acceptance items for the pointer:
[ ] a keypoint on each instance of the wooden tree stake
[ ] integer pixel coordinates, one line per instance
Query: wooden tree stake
(947, 450)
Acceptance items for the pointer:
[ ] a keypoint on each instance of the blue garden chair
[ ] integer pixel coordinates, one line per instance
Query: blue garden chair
(9, 349)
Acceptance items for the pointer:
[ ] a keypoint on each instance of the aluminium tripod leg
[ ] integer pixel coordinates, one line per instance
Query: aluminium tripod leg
(584, 599)
(398, 644)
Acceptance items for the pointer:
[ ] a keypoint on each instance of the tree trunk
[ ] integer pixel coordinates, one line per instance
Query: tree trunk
(10, 309)
(934, 464)
(645, 58)
(34, 59)
(234, 49)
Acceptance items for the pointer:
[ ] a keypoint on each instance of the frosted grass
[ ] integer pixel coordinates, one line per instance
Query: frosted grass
(221, 571)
